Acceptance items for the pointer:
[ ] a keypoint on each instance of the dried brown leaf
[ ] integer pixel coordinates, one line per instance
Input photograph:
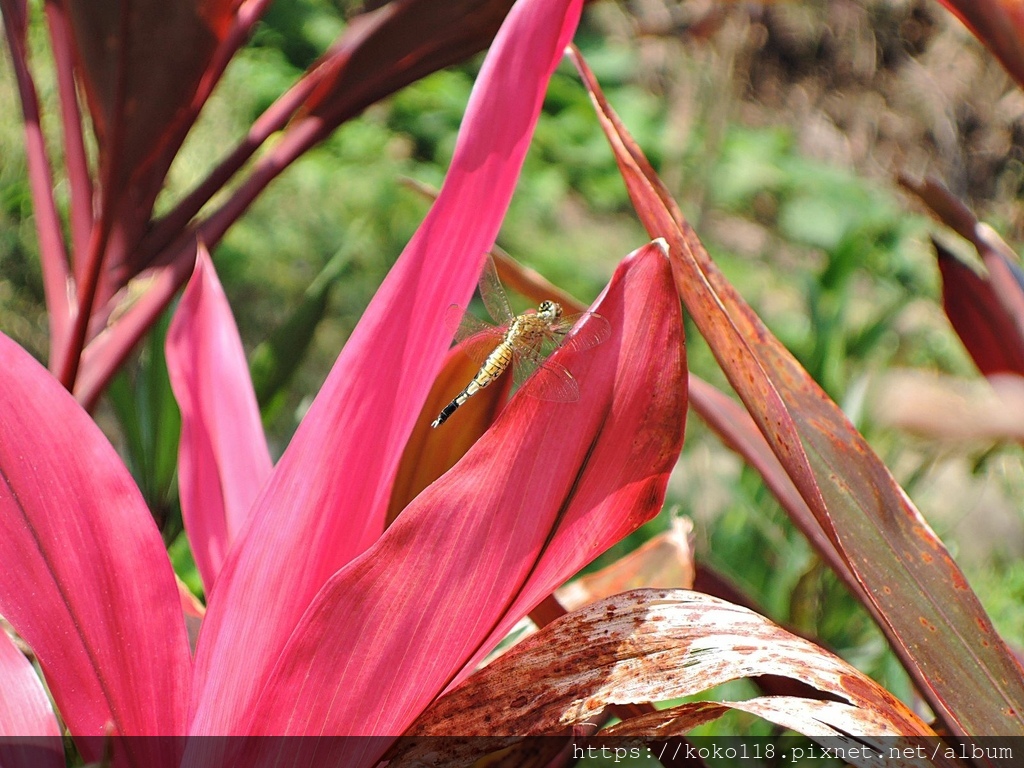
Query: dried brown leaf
(646, 645)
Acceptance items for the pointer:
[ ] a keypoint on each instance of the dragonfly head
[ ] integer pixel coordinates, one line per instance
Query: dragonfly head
(549, 310)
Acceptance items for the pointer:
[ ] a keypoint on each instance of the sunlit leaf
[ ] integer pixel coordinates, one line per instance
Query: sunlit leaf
(549, 486)
(25, 711)
(858, 736)
(223, 459)
(86, 581)
(328, 497)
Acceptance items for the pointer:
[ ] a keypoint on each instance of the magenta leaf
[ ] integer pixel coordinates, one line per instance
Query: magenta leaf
(86, 581)
(29, 733)
(327, 499)
(545, 490)
(25, 711)
(223, 458)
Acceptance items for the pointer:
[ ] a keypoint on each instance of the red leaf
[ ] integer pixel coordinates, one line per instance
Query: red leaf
(25, 711)
(545, 490)
(52, 252)
(223, 459)
(327, 498)
(979, 319)
(141, 63)
(936, 624)
(987, 312)
(394, 46)
(86, 580)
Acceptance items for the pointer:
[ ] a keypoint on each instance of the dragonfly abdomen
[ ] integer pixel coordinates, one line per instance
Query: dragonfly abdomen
(496, 364)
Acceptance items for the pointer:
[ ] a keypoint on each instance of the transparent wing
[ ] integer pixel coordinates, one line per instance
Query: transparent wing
(525, 360)
(463, 324)
(550, 380)
(593, 330)
(473, 336)
(493, 295)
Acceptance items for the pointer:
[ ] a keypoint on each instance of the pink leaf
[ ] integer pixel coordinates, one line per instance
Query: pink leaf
(545, 489)
(25, 711)
(326, 501)
(223, 458)
(86, 580)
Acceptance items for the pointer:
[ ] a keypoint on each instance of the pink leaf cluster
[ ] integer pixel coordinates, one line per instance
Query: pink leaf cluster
(319, 621)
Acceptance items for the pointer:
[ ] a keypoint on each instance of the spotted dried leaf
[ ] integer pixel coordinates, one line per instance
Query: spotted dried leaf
(646, 645)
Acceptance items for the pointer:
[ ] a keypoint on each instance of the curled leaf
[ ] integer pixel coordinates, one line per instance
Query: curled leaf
(647, 645)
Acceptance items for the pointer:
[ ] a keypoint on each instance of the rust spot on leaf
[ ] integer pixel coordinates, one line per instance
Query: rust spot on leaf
(857, 688)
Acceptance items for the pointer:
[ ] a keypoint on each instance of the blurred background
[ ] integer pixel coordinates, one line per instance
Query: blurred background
(780, 129)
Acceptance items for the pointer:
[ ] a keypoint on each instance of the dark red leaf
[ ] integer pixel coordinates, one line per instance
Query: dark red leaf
(141, 63)
(987, 331)
(935, 622)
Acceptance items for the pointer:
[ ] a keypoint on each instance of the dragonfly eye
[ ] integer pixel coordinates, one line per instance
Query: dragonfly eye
(550, 309)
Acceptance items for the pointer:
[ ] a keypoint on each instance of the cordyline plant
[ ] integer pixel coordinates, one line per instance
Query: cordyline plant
(146, 68)
(322, 619)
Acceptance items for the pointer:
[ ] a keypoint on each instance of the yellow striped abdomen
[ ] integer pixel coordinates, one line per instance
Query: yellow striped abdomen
(526, 330)
(496, 364)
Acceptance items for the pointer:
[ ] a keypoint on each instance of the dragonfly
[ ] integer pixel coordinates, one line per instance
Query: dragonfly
(523, 342)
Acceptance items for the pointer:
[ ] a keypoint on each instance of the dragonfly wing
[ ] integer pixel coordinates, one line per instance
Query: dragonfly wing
(549, 380)
(593, 329)
(474, 337)
(552, 381)
(463, 324)
(493, 295)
